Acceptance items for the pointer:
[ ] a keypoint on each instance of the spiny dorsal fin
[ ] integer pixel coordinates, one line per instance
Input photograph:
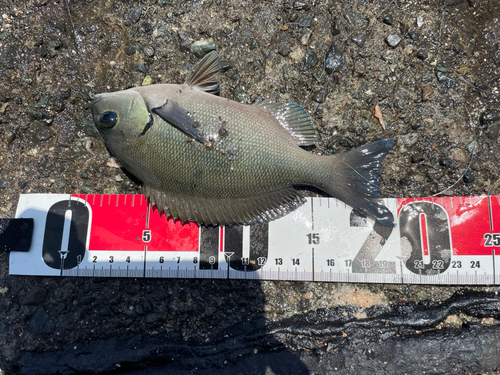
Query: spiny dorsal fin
(205, 75)
(294, 119)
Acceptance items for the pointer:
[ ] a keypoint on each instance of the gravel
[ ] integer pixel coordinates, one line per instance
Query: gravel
(393, 40)
(334, 60)
(444, 117)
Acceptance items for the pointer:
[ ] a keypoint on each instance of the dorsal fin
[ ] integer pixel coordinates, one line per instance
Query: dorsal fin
(205, 75)
(294, 119)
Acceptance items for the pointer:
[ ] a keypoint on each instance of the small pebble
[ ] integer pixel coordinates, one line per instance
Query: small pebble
(416, 125)
(422, 54)
(496, 56)
(427, 92)
(22, 184)
(126, 183)
(143, 68)
(310, 59)
(318, 77)
(10, 136)
(406, 142)
(130, 49)
(493, 130)
(133, 15)
(42, 103)
(445, 80)
(42, 133)
(35, 296)
(66, 94)
(300, 5)
(414, 36)
(304, 39)
(3, 184)
(320, 96)
(445, 102)
(404, 181)
(359, 39)
(468, 177)
(253, 44)
(201, 47)
(334, 60)
(393, 40)
(388, 20)
(490, 116)
(445, 162)
(241, 96)
(365, 113)
(34, 114)
(305, 21)
(4, 108)
(420, 21)
(417, 158)
(335, 26)
(473, 147)
(284, 50)
(225, 65)
(319, 113)
(149, 51)
(147, 81)
(458, 155)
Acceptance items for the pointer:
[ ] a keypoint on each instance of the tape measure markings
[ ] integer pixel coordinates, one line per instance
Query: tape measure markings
(448, 240)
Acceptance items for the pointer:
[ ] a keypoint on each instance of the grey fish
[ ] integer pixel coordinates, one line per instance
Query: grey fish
(214, 161)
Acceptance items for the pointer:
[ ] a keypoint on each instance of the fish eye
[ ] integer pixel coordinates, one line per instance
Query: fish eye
(108, 119)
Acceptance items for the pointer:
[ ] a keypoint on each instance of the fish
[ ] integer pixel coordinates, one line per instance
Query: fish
(205, 158)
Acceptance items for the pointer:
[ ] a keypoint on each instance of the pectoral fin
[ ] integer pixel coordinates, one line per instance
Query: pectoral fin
(178, 116)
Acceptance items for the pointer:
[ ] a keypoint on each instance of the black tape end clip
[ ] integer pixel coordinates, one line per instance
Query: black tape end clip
(16, 234)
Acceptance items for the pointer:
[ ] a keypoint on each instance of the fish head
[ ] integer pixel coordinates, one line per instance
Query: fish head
(120, 117)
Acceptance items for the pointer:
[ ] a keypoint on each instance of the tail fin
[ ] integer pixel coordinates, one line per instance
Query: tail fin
(355, 180)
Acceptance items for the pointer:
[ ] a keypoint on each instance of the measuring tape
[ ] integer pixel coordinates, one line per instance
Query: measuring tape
(449, 240)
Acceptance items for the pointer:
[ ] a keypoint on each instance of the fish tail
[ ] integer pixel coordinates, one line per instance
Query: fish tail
(354, 179)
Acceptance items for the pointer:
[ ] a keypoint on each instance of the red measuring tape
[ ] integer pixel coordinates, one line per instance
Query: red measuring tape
(448, 240)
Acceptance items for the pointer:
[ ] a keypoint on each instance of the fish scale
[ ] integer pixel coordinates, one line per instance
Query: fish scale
(266, 156)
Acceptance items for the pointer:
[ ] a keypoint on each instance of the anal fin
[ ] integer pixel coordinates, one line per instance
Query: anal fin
(226, 211)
